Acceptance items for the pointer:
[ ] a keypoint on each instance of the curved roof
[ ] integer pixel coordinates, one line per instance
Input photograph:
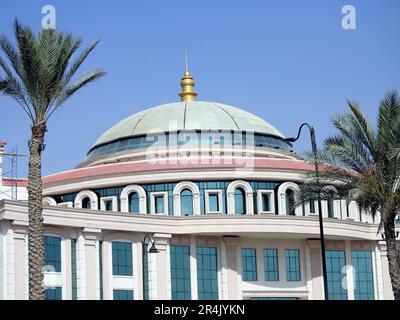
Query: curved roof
(191, 115)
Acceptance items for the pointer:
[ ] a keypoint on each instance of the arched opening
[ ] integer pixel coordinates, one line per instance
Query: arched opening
(240, 201)
(186, 202)
(86, 203)
(133, 200)
(290, 209)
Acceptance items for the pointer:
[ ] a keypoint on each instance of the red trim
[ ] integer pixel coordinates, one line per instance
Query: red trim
(8, 182)
(151, 166)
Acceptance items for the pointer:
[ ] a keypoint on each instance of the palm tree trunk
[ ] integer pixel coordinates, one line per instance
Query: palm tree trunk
(35, 233)
(394, 263)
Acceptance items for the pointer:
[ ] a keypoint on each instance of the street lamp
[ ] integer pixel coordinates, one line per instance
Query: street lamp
(321, 226)
(152, 249)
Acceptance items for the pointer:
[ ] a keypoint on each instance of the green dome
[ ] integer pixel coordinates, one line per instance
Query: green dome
(192, 115)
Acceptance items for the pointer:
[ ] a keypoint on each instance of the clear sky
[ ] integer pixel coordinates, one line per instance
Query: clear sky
(286, 61)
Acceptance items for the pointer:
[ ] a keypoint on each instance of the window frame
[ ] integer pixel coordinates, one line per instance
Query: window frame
(153, 196)
(207, 199)
(113, 200)
(260, 194)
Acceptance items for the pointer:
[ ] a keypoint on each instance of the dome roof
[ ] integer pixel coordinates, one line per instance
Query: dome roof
(188, 115)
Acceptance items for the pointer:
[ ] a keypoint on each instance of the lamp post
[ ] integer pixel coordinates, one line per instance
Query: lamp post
(321, 225)
(152, 249)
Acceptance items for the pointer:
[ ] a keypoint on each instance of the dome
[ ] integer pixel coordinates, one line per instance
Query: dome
(188, 115)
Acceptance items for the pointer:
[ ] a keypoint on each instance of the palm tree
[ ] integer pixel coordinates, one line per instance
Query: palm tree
(40, 77)
(363, 162)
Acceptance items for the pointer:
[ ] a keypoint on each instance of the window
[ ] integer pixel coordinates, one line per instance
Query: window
(330, 208)
(122, 258)
(133, 202)
(292, 264)
(273, 298)
(108, 205)
(336, 275)
(290, 209)
(207, 280)
(180, 273)
(186, 202)
(213, 200)
(53, 293)
(86, 203)
(249, 264)
(52, 253)
(312, 206)
(271, 265)
(159, 202)
(364, 276)
(122, 294)
(240, 201)
(265, 201)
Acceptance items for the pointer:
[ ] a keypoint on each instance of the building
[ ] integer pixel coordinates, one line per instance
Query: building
(211, 187)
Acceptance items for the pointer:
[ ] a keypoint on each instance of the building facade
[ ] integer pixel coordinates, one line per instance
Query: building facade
(212, 188)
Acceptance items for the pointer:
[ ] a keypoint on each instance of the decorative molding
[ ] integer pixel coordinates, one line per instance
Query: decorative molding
(177, 197)
(86, 194)
(124, 197)
(230, 193)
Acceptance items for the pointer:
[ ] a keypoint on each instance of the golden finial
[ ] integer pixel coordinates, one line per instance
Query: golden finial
(187, 84)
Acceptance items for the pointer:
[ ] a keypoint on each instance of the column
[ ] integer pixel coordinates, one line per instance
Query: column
(387, 284)
(232, 246)
(316, 269)
(349, 271)
(162, 242)
(193, 268)
(90, 236)
(20, 229)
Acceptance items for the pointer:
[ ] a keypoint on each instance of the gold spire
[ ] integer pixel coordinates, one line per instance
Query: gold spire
(187, 84)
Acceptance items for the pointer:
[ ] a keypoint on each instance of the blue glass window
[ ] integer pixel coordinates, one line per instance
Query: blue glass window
(108, 205)
(265, 202)
(122, 258)
(159, 204)
(186, 202)
(271, 265)
(249, 264)
(207, 280)
(364, 275)
(292, 264)
(133, 202)
(86, 203)
(180, 273)
(213, 203)
(240, 201)
(312, 206)
(290, 209)
(52, 253)
(122, 294)
(336, 275)
(330, 208)
(54, 293)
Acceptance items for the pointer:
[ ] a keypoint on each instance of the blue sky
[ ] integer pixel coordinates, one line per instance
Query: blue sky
(286, 61)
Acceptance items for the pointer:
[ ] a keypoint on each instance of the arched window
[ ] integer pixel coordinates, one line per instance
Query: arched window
(240, 201)
(186, 202)
(86, 203)
(290, 209)
(133, 200)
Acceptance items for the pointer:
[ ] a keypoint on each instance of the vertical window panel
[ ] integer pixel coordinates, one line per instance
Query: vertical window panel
(207, 274)
(364, 276)
(335, 264)
(180, 272)
(249, 264)
(122, 258)
(271, 270)
(292, 264)
(52, 253)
